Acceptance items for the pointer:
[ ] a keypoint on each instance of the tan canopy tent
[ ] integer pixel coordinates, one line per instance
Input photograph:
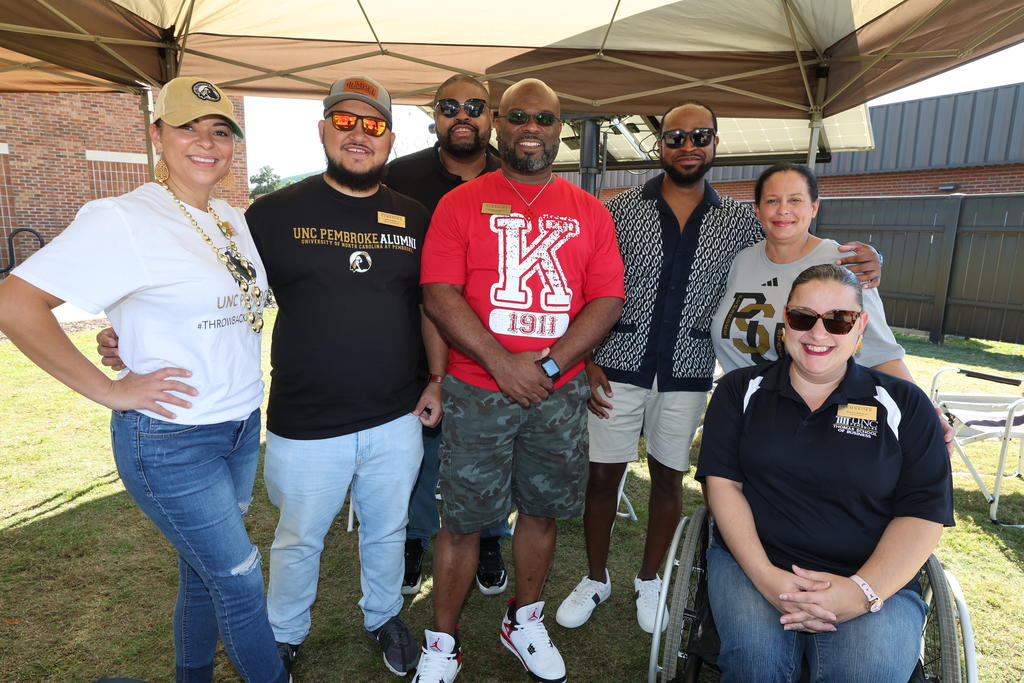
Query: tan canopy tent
(772, 59)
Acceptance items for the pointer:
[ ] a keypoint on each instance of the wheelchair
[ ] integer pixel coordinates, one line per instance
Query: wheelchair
(985, 417)
(686, 651)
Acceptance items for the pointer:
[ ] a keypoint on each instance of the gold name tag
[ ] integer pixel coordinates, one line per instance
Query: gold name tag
(496, 209)
(391, 219)
(858, 411)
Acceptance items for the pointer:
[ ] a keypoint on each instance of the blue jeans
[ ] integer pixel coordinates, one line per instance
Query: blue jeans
(308, 480)
(195, 483)
(424, 521)
(881, 647)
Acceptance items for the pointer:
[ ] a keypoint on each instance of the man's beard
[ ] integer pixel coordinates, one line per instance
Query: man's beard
(360, 182)
(686, 179)
(462, 150)
(524, 164)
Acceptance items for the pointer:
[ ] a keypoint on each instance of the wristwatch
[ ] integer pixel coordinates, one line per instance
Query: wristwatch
(550, 368)
(874, 602)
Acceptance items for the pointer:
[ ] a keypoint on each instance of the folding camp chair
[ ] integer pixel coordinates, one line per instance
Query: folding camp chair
(983, 417)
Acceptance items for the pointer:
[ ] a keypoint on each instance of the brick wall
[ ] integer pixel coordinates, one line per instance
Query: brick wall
(974, 180)
(45, 174)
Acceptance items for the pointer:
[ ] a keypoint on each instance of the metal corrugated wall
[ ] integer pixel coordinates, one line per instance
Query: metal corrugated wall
(978, 128)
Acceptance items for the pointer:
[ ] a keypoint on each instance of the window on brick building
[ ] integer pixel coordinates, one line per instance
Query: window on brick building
(114, 173)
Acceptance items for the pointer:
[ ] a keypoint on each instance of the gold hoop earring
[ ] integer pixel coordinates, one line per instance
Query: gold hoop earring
(227, 182)
(161, 172)
(860, 344)
(782, 336)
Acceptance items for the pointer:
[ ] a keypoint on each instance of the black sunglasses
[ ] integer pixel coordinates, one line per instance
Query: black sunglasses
(700, 137)
(449, 107)
(373, 126)
(518, 117)
(836, 321)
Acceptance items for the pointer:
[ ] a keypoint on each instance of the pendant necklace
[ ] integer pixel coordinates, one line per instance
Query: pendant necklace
(241, 270)
(529, 212)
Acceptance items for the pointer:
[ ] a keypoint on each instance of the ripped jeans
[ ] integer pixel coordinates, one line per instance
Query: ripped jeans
(195, 483)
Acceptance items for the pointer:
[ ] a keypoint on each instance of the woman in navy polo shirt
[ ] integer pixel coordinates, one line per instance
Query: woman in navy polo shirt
(829, 483)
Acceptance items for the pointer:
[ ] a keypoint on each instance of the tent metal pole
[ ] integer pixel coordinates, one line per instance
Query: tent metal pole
(812, 144)
(590, 164)
(816, 121)
(146, 105)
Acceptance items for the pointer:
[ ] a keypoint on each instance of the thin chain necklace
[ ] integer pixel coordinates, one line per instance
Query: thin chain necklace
(529, 213)
(241, 270)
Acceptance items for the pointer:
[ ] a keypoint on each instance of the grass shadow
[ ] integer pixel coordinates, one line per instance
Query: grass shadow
(64, 499)
(90, 586)
(958, 351)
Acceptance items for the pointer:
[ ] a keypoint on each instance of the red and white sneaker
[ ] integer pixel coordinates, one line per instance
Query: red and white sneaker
(441, 658)
(523, 632)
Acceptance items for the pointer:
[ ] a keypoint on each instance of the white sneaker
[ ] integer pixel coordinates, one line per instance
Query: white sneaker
(576, 609)
(647, 596)
(523, 632)
(441, 659)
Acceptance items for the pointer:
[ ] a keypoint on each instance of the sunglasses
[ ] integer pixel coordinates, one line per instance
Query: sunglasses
(372, 125)
(518, 117)
(835, 321)
(700, 137)
(449, 107)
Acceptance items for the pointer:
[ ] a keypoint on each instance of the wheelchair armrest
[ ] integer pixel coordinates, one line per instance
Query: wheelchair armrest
(936, 396)
(990, 378)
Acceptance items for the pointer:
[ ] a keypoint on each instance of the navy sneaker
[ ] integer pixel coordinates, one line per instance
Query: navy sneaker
(397, 646)
(288, 654)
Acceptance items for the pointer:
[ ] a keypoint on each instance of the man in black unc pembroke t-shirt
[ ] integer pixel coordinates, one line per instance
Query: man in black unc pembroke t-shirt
(348, 397)
(462, 121)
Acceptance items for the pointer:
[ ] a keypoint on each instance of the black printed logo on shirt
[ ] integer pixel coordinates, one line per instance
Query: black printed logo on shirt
(754, 339)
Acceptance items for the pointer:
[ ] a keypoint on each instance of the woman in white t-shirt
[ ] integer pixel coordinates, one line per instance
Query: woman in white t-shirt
(747, 328)
(180, 279)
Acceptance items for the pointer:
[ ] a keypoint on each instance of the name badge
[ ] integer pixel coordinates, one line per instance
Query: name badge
(391, 219)
(858, 411)
(496, 209)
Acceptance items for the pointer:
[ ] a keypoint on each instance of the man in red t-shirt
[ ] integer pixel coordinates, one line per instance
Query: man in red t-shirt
(522, 274)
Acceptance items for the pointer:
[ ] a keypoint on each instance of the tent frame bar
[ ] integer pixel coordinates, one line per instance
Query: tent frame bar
(106, 48)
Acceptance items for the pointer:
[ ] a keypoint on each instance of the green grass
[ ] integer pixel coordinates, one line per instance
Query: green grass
(87, 584)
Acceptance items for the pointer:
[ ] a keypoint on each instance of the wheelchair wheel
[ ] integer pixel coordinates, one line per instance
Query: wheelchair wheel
(940, 647)
(688, 587)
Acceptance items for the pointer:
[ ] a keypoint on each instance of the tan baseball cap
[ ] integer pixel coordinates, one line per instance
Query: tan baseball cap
(184, 99)
(362, 88)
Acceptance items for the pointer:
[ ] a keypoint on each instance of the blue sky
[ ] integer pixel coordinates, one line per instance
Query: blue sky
(282, 133)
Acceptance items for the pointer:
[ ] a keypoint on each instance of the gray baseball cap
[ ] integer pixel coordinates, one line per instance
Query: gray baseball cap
(362, 88)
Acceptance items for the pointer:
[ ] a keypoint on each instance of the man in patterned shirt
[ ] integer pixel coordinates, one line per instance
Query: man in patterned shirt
(677, 237)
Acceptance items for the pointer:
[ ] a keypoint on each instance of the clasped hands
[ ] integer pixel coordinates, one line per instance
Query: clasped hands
(813, 602)
(520, 378)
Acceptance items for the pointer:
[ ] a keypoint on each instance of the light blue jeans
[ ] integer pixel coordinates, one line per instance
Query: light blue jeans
(881, 647)
(308, 480)
(195, 483)
(424, 520)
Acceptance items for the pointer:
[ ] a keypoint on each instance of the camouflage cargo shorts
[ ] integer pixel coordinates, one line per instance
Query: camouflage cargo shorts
(496, 455)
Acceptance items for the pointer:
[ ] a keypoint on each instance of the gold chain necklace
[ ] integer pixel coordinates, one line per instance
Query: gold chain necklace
(241, 270)
(529, 213)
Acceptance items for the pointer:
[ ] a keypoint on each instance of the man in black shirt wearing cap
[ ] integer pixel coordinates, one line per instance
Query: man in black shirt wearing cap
(462, 121)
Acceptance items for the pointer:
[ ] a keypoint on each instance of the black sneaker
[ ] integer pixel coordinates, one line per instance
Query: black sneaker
(413, 567)
(400, 651)
(288, 653)
(491, 577)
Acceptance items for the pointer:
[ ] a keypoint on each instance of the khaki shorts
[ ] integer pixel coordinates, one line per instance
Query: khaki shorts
(496, 455)
(666, 419)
